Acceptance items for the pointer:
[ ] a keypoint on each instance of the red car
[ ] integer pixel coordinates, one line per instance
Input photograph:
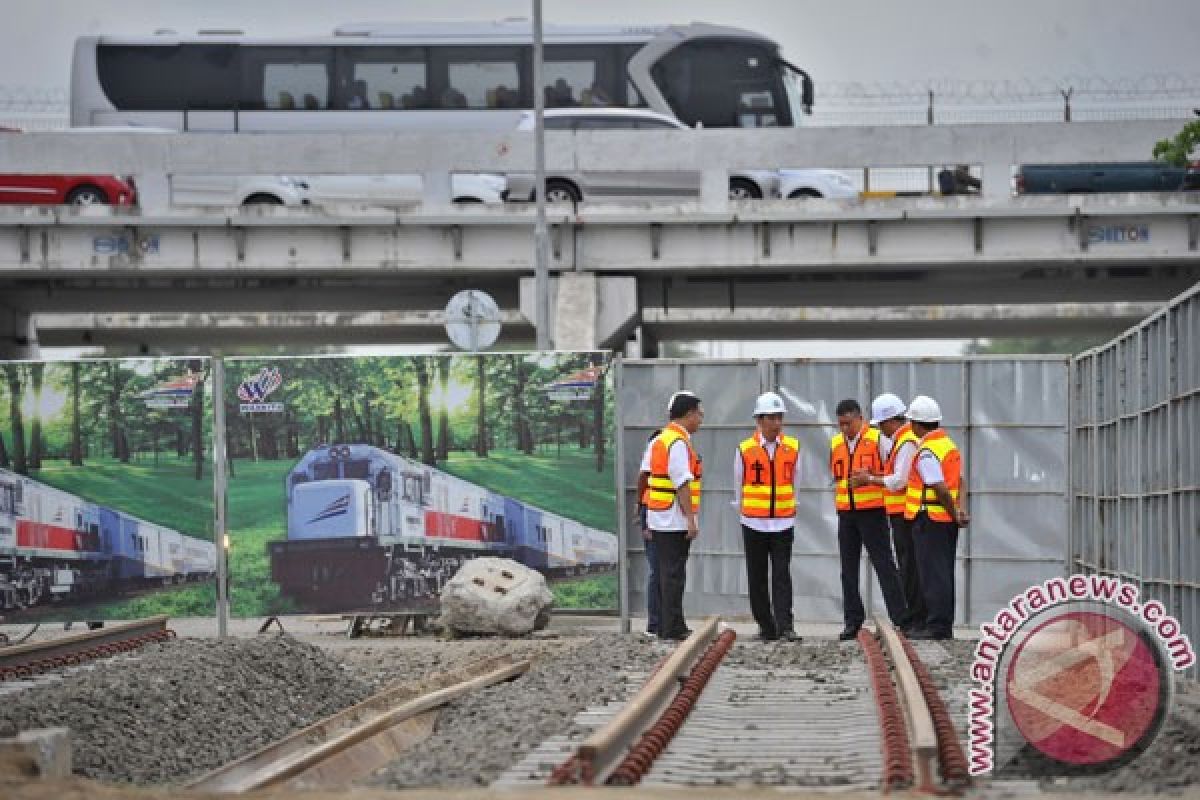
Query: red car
(76, 190)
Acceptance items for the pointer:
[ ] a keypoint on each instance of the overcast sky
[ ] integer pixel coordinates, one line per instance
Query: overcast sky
(847, 40)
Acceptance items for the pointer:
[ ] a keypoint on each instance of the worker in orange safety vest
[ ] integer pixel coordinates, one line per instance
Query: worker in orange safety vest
(862, 521)
(672, 501)
(764, 479)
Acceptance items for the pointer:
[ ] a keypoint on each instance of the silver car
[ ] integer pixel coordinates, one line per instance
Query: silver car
(600, 185)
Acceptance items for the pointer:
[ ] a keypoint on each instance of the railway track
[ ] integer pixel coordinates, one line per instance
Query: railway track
(26, 660)
(353, 743)
(876, 721)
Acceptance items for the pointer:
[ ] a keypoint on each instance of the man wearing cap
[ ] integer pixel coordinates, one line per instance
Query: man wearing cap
(672, 501)
(931, 504)
(897, 447)
(764, 479)
(861, 518)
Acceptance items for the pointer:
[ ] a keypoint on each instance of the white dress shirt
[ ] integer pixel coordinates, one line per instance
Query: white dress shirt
(929, 468)
(762, 524)
(902, 466)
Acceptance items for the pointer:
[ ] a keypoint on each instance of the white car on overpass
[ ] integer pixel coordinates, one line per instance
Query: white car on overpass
(399, 190)
(798, 184)
(589, 185)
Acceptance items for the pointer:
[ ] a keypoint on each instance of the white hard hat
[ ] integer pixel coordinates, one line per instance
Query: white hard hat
(768, 403)
(680, 393)
(886, 406)
(924, 409)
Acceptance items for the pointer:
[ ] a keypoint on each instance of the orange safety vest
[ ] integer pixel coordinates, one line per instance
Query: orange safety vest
(894, 501)
(919, 498)
(768, 490)
(660, 492)
(842, 462)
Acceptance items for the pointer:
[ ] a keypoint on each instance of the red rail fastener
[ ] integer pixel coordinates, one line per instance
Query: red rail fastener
(897, 759)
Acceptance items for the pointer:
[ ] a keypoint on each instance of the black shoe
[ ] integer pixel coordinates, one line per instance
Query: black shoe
(678, 636)
(848, 633)
(763, 636)
(791, 636)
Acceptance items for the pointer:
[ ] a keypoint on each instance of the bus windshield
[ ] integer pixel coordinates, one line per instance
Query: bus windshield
(724, 84)
(468, 76)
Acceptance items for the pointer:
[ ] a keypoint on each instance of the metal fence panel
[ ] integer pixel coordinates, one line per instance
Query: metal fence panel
(1012, 410)
(1135, 424)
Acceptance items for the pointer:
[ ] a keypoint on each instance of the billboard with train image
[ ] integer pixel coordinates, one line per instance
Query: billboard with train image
(105, 491)
(364, 483)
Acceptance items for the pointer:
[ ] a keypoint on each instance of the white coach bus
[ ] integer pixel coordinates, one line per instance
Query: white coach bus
(465, 76)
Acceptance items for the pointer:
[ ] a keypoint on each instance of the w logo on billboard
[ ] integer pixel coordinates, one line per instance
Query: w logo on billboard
(335, 509)
(254, 390)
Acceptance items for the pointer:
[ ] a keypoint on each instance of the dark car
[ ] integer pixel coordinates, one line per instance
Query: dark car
(1122, 176)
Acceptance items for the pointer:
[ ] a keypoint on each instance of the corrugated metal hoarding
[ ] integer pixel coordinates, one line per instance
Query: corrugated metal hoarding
(1008, 415)
(1135, 479)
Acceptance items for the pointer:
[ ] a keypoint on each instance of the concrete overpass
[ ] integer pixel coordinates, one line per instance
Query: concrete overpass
(992, 265)
(186, 332)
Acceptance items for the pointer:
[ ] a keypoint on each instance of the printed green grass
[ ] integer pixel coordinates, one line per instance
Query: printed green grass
(569, 486)
(599, 592)
(166, 494)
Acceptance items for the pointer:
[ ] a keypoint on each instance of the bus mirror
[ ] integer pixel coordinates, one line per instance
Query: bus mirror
(806, 98)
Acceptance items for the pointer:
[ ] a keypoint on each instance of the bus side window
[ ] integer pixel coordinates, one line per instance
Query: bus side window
(580, 75)
(468, 76)
(287, 78)
(393, 77)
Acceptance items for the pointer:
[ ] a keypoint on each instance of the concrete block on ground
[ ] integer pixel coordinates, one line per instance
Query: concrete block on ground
(497, 596)
(38, 753)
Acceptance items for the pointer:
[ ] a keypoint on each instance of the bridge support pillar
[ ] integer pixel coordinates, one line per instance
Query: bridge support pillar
(153, 192)
(587, 312)
(437, 188)
(18, 336)
(642, 344)
(996, 181)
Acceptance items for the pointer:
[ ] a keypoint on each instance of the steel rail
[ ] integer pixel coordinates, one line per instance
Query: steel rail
(357, 740)
(922, 736)
(602, 752)
(24, 660)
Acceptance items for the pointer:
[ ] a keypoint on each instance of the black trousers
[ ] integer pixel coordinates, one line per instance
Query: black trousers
(869, 529)
(936, 544)
(910, 576)
(775, 548)
(673, 548)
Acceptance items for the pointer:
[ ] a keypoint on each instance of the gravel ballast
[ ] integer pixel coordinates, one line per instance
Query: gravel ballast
(176, 710)
(479, 737)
